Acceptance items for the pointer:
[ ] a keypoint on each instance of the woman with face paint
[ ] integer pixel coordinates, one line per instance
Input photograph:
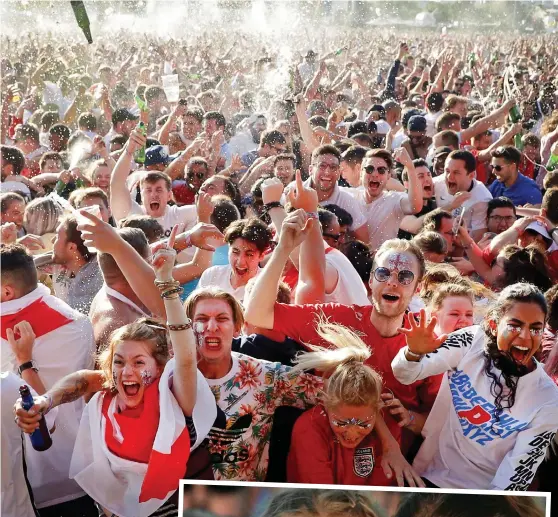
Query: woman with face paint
(335, 442)
(150, 409)
(497, 409)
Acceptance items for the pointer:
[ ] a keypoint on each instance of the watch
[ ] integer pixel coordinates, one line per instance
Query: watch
(26, 366)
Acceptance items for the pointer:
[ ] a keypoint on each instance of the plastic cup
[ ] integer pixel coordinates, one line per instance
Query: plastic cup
(81, 219)
(170, 85)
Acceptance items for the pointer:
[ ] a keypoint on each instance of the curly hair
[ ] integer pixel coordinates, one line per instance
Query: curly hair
(509, 371)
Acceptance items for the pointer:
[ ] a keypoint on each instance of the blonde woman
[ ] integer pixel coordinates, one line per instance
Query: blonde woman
(147, 414)
(336, 442)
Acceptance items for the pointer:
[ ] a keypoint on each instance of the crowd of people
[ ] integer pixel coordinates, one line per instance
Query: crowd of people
(341, 270)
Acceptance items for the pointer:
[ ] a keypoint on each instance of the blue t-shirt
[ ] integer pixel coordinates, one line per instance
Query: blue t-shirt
(220, 258)
(523, 191)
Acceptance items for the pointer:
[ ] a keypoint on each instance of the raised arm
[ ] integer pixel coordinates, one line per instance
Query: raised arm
(485, 123)
(412, 204)
(180, 329)
(261, 302)
(486, 155)
(120, 198)
(311, 287)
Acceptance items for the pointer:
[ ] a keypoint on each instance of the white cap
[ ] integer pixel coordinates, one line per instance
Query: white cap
(540, 229)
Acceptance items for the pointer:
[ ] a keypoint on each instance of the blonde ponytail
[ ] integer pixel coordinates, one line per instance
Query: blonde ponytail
(349, 380)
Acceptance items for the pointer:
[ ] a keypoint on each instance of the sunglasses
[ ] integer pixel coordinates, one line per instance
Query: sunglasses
(334, 236)
(197, 175)
(404, 277)
(370, 169)
(498, 168)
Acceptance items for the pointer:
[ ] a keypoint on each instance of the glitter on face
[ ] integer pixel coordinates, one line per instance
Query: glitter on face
(146, 378)
(399, 262)
(198, 332)
(512, 329)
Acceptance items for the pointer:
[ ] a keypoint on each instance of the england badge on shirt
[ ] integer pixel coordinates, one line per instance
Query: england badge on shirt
(363, 462)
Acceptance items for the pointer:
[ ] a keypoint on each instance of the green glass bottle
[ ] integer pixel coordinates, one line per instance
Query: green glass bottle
(82, 19)
(140, 103)
(515, 116)
(140, 153)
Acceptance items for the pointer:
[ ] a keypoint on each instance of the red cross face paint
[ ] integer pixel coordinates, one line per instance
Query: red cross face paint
(393, 282)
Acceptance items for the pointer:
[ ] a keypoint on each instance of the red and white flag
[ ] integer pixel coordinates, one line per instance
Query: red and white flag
(128, 488)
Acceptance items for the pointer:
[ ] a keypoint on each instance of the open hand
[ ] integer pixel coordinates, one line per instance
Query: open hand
(98, 234)
(421, 338)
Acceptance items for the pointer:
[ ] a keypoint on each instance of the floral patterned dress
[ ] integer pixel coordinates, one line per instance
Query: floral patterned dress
(248, 395)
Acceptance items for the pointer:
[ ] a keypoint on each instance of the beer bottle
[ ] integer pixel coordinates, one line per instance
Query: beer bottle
(40, 439)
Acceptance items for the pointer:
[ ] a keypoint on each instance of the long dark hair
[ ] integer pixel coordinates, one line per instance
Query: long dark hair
(509, 370)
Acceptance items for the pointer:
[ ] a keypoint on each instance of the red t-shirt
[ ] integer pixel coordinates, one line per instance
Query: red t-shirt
(482, 172)
(552, 262)
(299, 322)
(183, 194)
(317, 457)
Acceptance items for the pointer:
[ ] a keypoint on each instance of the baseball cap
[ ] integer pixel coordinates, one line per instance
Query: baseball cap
(379, 108)
(121, 115)
(439, 151)
(410, 114)
(540, 229)
(416, 123)
(157, 154)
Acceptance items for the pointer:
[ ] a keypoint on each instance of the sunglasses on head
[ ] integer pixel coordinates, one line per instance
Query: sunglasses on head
(404, 277)
(370, 169)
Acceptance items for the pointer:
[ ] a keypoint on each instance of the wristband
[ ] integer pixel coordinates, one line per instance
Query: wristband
(170, 292)
(181, 326)
(188, 240)
(418, 357)
(312, 215)
(274, 204)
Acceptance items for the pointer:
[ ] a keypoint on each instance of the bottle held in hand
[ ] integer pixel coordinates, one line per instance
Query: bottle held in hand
(40, 439)
(140, 153)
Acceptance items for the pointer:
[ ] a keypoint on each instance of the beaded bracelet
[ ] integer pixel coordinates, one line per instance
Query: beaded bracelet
(181, 326)
(168, 293)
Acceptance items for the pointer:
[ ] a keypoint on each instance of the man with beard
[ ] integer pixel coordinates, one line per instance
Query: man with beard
(385, 209)
(459, 180)
(78, 279)
(324, 177)
(411, 224)
(397, 270)
(155, 189)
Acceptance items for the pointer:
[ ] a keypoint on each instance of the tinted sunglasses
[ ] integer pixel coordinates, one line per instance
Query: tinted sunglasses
(498, 168)
(370, 169)
(198, 175)
(404, 277)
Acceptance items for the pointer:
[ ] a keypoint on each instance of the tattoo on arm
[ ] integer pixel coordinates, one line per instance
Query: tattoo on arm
(71, 388)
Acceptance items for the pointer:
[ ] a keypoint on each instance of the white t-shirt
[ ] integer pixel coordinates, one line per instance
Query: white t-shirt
(464, 446)
(15, 496)
(220, 276)
(52, 94)
(383, 215)
(349, 289)
(475, 208)
(342, 199)
(187, 214)
(64, 344)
